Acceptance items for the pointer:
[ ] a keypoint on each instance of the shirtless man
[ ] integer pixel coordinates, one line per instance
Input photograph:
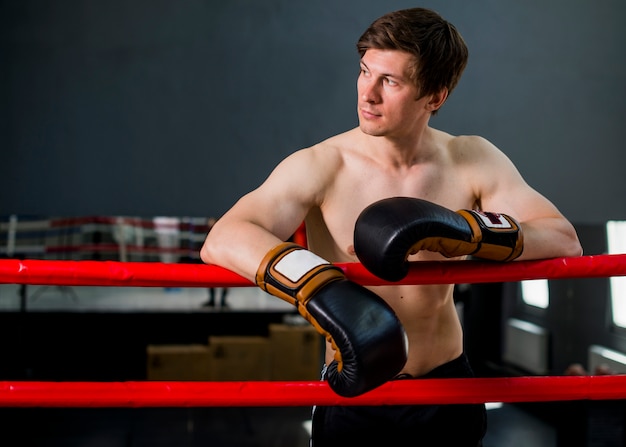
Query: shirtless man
(410, 62)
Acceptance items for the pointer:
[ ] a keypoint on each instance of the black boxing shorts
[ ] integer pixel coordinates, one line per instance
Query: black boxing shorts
(416, 425)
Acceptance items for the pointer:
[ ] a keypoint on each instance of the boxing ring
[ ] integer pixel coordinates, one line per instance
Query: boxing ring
(275, 393)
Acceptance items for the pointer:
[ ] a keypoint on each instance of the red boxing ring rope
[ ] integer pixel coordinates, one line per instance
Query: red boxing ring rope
(188, 394)
(284, 394)
(156, 274)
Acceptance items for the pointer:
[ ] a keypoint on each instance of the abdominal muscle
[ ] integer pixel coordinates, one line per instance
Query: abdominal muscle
(429, 317)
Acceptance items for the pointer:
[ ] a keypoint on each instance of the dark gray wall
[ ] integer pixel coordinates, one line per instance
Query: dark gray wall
(151, 107)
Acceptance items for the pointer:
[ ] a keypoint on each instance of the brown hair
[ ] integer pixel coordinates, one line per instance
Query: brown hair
(439, 50)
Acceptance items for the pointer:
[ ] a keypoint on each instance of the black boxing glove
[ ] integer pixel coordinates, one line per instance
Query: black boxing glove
(388, 231)
(369, 341)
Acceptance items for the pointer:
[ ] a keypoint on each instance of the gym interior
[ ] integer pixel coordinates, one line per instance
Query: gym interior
(128, 126)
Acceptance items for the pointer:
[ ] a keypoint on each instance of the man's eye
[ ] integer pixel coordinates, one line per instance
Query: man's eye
(391, 82)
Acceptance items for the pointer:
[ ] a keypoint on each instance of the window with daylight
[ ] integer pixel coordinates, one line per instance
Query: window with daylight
(536, 293)
(616, 241)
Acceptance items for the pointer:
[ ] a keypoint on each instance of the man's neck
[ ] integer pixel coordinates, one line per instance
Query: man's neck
(402, 152)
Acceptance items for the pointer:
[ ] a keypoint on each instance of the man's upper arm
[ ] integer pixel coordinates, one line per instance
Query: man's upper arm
(261, 219)
(281, 202)
(504, 190)
(547, 233)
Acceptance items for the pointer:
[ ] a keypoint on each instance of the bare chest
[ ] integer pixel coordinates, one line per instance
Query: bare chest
(331, 227)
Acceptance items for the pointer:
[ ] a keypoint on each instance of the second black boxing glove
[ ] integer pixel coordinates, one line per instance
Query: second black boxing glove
(369, 341)
(388, 231)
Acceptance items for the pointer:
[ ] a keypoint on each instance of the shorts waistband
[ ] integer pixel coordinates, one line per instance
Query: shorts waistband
(457, 368)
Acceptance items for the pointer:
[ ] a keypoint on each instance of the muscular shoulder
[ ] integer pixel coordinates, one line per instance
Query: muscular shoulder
(478, 156)
(310, 171)
(472, 148)
(329, 156)
(322, 160)
(483, 165)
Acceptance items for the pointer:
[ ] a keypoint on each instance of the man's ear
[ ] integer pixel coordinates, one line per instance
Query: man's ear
(437, 100)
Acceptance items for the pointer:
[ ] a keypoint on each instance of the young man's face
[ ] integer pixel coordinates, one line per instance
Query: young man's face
(387, 97)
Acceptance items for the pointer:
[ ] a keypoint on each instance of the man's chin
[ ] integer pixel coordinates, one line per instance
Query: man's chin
(371, 130)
